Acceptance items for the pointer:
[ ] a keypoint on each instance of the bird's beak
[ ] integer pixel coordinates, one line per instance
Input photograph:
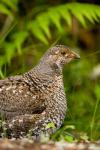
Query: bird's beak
(74, 55)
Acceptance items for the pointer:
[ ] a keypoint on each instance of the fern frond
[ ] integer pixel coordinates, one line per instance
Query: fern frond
(19, 38)
(53, 15)
(40, 24)
(4, 10)
(36, 30)
(65, 14)
(44, 22)
(11, 4)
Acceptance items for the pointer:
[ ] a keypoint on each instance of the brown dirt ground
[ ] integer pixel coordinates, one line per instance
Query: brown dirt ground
(26, 144)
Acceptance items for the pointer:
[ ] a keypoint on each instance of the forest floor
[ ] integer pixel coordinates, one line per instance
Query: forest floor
(27, 144)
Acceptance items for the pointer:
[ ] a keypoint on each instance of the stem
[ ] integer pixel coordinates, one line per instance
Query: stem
(93, 118)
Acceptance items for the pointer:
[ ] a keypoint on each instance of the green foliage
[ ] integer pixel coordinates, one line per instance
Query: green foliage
(50, 125)
(39, 25)
(64, 134)
(93, 124)
(97, 91)
(7, 7)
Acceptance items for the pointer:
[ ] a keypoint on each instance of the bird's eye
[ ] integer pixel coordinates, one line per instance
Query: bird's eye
(63, 53)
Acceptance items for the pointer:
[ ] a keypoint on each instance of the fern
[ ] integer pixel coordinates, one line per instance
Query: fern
(4, 10)
(40, 24)
(10, 4)
(55, 14)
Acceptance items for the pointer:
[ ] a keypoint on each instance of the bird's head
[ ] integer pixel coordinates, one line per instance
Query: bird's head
(59, 55)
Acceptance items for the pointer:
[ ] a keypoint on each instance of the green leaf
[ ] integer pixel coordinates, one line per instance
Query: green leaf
(97, 10)
(44, 22)
(2, 60)
(75, 10)
(97, 91)
(89, 13)
(4, 10)
(9, 51)
(2, 76)
(19, 38)
(50, 125)
(68, 138)
(36, 30)
(11, 4)
(84, 137)
(69, 127)
(55, 18)
(41, 25)
(64, 12)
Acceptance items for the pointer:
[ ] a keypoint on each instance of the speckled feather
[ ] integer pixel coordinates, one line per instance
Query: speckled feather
(36, 98)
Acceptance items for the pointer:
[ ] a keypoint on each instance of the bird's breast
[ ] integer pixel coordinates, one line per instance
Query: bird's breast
(56, 103)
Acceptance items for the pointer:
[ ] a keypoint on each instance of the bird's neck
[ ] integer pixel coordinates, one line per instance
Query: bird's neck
(50, 69)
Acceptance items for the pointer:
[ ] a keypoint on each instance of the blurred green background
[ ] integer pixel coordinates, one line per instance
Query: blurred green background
(29, 28)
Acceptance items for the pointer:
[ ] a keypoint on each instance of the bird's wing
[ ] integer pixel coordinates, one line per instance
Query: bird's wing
(23, 123)
(17, 98)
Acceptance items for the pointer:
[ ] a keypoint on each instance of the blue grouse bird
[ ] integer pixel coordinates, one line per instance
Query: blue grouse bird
(36, 98)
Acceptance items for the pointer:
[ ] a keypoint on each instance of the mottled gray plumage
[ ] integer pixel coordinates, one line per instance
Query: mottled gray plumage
(33, 100)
